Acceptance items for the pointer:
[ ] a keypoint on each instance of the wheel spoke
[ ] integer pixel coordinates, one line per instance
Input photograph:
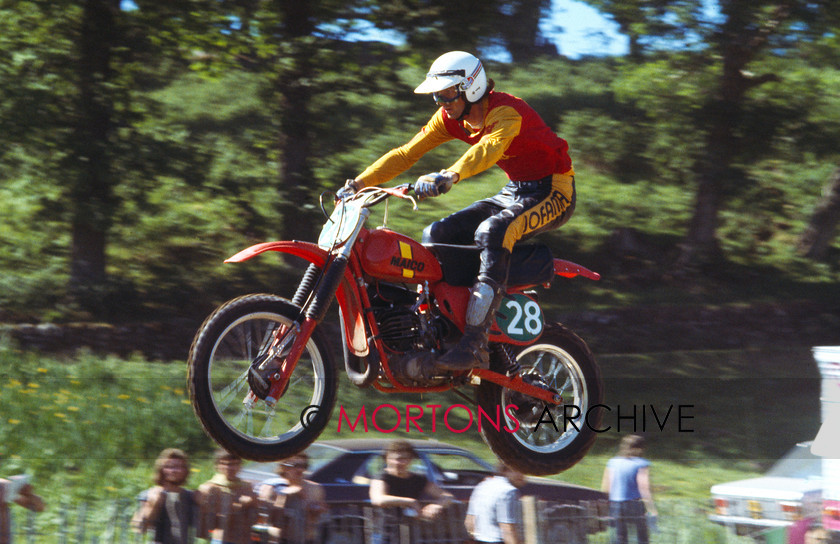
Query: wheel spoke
(266, 428)
(241, 344)
(545, 442)
(229, 393)
(558, 370)
(237, 349)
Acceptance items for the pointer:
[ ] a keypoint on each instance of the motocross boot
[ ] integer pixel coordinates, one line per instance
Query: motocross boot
(472, 350)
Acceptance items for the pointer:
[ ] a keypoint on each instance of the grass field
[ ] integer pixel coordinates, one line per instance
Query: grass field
(90, 426)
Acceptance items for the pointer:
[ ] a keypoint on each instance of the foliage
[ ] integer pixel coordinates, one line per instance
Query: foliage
(90, 427)
(80, 423)
(201, 152)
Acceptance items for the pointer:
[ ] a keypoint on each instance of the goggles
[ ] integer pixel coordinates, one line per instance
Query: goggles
(447, 96)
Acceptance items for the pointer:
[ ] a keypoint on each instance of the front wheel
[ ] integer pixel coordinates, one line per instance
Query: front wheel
(229, 346)
(539, 439)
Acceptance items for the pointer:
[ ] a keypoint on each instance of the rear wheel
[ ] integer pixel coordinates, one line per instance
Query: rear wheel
(540, 439)
(226, 363)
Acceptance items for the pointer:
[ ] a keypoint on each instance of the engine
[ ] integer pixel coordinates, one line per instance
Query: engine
(400, 328)
(409, 332)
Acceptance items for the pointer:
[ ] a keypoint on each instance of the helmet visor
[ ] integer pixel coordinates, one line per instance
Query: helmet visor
(438, 81)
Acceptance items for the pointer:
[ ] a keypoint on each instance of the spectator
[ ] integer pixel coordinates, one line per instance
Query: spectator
(627, 480)
(295, 508)
(396, 486)
(167, 508)
(15, 490)
(494, 514)
(227, 504)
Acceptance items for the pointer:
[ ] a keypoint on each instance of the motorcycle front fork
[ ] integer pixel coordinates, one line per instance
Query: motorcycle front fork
(314, 296)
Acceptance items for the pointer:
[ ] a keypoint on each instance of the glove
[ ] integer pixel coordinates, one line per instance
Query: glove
(347, 191)
(434, 184)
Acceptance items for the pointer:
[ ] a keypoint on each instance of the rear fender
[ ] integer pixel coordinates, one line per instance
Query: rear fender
(347, 295)
(568, 269)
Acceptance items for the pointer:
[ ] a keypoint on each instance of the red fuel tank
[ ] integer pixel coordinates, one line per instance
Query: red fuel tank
(394, 257)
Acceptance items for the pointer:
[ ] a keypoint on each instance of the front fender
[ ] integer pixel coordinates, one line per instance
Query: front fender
(348, 291)
(305, 250)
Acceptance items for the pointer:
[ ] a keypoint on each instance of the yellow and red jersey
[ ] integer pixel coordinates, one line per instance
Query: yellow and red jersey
(513, 136)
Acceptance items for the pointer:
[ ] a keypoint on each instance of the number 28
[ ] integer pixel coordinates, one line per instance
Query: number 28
(527, 316)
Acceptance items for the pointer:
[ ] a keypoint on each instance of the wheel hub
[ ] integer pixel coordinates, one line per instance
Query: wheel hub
(530, 408)
(259, 378)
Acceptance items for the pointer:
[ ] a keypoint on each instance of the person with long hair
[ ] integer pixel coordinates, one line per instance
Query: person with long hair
(168, 509)
(16, 490)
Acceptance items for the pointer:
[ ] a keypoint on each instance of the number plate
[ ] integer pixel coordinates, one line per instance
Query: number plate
(520, 318)
(341, 224)
(754, 508)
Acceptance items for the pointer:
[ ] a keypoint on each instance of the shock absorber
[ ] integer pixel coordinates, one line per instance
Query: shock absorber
(310, 277)
(510, 366)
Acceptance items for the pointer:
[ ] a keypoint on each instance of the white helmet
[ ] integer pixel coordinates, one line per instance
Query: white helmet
(456, 68)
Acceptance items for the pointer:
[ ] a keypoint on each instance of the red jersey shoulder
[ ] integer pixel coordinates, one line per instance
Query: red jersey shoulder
(498, 99)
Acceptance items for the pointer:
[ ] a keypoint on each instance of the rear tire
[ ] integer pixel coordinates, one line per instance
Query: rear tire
(235, 335)
(547, 440)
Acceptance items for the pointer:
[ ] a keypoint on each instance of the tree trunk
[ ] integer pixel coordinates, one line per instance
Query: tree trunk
(742, 37)
(701, 245)
(714, 170)
(91, 195)
(522, 33)
(297, 181)
(822, 228)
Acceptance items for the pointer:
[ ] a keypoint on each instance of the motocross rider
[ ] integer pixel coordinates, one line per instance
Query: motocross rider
(501, 129)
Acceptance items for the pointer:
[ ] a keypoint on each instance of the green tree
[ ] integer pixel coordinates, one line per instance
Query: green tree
(521, 32)
(59, 107)
(649, 24)
(432, 27)
(88, 164)
(731, 39)
(71, 72)
(307, 55)
(749, 32)
(822, 228)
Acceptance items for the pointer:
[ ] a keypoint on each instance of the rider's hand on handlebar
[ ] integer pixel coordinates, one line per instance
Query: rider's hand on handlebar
(349, 189)
(435, 184)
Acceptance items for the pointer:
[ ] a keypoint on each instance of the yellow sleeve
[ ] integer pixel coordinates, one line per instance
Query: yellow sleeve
(400, 159)
(502, 126)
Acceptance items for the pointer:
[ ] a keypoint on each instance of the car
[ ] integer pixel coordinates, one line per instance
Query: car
(791, 490)
(346, 467)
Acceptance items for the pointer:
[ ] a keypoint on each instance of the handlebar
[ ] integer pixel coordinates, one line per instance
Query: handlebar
(375, 195)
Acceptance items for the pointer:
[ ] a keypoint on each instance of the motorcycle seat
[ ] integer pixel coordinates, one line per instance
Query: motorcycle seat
(530, 264)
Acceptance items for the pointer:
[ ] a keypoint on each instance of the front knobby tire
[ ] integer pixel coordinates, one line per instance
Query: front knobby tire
(236, 334)
(530, 439)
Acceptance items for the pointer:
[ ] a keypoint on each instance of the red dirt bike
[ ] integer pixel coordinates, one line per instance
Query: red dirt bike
(259, 359)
